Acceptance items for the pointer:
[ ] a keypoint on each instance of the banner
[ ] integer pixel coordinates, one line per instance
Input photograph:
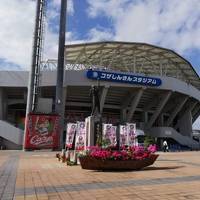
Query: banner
(89, 128)
(131, 129)
(123, 78)
(80, 136)
(109, 134)
(42, 131)
(123, 135)
(114, 135)
(70, 133)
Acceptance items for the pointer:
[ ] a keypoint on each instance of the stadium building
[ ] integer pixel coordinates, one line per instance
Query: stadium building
(151, 86)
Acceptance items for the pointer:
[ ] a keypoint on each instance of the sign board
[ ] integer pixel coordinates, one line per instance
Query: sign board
(70, 133)
(123, 135)
(89, 127)
(42, 131)
(131, 129)
(109, 134)
(123, 78)
(80, 136)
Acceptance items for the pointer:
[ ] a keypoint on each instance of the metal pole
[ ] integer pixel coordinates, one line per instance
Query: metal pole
(29, 105)
(60, 69)
(33, 63)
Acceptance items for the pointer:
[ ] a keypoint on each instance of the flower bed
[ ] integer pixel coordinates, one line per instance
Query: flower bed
(127, 158)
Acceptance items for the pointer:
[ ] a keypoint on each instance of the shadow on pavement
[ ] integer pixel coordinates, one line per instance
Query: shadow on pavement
(163, 168)
(144, 169)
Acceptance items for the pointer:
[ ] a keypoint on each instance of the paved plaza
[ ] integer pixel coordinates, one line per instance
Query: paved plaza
(39, 176)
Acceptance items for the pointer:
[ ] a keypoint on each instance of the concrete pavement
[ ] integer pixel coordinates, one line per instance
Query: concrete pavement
(39, 176)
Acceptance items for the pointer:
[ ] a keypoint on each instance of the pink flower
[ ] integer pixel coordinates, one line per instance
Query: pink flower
(151, 148)
(116, 155)
(129, 153)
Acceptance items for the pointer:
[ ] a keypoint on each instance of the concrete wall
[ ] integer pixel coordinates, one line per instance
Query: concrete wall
(79, 78)
(20, 79)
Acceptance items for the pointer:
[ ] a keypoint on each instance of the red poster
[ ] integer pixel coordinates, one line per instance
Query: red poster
(42, 131)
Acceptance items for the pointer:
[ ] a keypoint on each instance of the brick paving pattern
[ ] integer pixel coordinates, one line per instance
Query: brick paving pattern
(39, 176)
(8, 173)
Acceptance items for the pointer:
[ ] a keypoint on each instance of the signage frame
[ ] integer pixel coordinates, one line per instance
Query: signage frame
(123, 78)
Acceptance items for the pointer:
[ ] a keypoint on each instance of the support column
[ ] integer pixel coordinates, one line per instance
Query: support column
(185, 124)
(60, 67)
(61, 58)
(145, 117)
(134, 104)
(103, 98)
(162, 103)
(189, 109)
(161, 120)
(124, 106)
(123, 115)
(3, 105)
(62, 115)
(179, 106)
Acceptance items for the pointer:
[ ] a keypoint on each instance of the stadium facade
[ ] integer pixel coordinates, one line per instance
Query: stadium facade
(154, 87)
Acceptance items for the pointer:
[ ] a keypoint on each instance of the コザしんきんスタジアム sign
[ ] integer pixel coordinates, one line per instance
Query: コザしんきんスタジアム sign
(123, 78)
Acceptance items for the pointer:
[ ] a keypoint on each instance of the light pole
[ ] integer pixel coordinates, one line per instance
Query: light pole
(33, 83)
(60, 68)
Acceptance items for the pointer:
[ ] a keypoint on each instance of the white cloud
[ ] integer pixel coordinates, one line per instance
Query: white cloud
(111, 8)
(51, 43)
(16, 31)
(173, 24)
(99, 34)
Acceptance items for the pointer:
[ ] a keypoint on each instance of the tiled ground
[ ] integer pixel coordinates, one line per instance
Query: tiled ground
(38, 175)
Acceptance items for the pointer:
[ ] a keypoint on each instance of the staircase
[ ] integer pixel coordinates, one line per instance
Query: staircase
(168, 132)
(13, 136)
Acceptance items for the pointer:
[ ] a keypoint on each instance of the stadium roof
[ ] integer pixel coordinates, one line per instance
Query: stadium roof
(132, 57)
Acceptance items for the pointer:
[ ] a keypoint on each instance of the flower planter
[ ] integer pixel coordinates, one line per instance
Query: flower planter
(91, 163)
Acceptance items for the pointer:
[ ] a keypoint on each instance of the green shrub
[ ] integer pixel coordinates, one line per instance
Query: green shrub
(149, 140)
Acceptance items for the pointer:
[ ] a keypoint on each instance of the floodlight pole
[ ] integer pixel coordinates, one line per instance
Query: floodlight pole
(35, 59)
(35, 62)
(60, 67)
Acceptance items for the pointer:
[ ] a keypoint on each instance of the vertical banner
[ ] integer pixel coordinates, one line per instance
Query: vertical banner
(43, 131)
(89, 128)
(109, 134)
(131, 129)
(70, 133)
(80, 136)
(123, 135)
(114, 135)
(87, 132)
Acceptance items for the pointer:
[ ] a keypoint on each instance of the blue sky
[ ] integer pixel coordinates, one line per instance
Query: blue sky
(155, 22)
(97, 20)
(172, 24)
